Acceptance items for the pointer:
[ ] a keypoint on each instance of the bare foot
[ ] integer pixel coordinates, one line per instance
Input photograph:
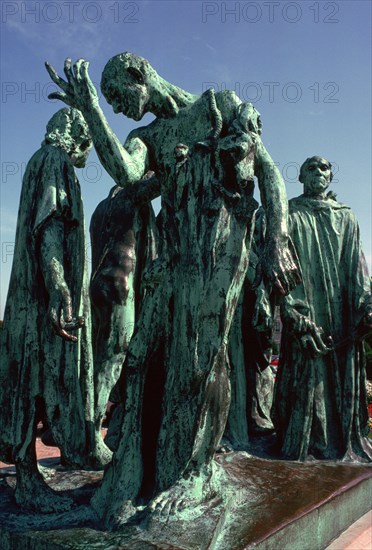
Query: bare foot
(187, 494)
(100, 455)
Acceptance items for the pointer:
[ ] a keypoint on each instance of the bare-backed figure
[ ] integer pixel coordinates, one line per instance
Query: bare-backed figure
(45, 370)
(205, 150)
(123, 237)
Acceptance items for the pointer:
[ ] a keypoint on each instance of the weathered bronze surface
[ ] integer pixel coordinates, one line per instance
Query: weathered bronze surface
(205, 150)
(45, 369)
(266, 504)
(124, 240)
(320, 403)
(249, 354)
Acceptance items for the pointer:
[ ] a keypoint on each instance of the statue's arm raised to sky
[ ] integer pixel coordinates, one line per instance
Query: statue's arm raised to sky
(133, 88)
(205, 151)
(125, 165)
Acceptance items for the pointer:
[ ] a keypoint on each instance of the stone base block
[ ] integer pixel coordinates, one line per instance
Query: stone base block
(267, 505)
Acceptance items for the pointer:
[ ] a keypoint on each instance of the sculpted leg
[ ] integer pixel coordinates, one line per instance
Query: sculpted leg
(125, 482)
(32, 492)
(201, 480)
(113, 313)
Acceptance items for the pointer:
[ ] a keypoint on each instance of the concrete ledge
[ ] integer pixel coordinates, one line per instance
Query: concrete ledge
(266, 505)
(318, 527)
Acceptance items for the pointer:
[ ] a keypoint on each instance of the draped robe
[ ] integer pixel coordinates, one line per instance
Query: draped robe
(36, 364)
(320, 402)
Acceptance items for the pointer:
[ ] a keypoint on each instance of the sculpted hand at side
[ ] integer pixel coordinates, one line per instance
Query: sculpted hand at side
(78, 91)
(310, 337)
(279, 268)
(60, 314)
(262, 319)
(313, 342)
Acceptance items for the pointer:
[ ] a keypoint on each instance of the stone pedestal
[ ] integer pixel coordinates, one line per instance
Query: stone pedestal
(267, 505)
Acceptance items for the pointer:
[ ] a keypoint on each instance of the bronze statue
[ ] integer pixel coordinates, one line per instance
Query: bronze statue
(124, 239)
(45, 369)
(205, 150)
(320, 407)
(250, 351)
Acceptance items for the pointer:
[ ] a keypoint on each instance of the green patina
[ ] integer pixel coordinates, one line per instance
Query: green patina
(45, 369)
(205, 151)
(124, 239)
(320, 402)
(188, 290)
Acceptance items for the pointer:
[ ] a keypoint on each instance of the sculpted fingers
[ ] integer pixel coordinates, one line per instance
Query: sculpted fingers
(84, 70)
(319, 346)
(68, 70)
(278, 283)
(61, 96)
(56, 325)
(54, 319)
(291, 279)
(67, 336)
(309, 345)
(280, 287)
(78, 65)
(66, 95)
(54, 76)
(313, 342)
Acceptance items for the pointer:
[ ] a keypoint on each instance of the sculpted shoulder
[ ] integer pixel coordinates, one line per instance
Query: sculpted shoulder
(47, 159)
(138, 133)
(304, 203)
(228, 103)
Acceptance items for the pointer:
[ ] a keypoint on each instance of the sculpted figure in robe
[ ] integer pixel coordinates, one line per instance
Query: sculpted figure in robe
(320, 407)
(250, 350)
(205, 151)
(46, 367)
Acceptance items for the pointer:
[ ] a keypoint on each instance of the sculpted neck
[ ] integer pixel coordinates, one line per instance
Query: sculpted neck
(319, 196)
(167, 99)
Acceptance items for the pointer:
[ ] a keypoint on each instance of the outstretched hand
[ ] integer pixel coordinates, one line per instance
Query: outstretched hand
(78, 90)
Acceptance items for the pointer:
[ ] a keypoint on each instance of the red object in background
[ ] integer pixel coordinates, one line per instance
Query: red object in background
(370, 410)
(274, 360)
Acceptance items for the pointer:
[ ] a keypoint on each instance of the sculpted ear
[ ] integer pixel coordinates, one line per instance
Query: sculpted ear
(136, 75)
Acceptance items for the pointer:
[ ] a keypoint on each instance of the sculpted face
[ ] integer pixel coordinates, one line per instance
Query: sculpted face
(68, 130)
(80, 156)
(127, 92)
(316, 176)
(82, 143)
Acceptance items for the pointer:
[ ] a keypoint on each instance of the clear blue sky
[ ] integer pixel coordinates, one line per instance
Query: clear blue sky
(306, 66)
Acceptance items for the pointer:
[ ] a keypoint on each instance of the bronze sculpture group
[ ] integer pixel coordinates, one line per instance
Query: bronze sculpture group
(165, 295)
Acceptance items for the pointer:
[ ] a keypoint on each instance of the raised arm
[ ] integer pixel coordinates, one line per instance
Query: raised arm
(124, 164)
